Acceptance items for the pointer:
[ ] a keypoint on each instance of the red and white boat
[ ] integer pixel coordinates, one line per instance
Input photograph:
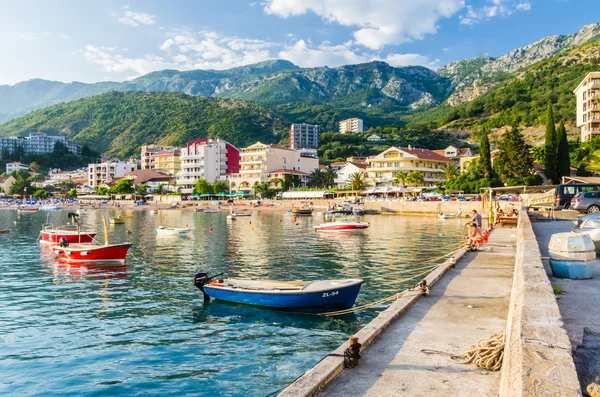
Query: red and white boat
(92, 252)
(343, 225)
(52, 234)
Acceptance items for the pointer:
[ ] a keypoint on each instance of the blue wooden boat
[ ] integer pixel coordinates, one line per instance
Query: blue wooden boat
(318, 294)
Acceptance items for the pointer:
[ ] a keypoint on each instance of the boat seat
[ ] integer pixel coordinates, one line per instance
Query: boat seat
(266, 284)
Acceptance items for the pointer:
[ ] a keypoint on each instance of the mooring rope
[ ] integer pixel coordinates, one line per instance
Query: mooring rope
(486, 353)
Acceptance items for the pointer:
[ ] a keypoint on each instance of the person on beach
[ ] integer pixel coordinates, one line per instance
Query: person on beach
(475, 237)
(476, 219)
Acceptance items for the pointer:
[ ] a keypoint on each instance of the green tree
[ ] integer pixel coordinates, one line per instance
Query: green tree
(101, 191)
(317, 178)
(40, 193)
(485, 153)
(450, 171)
(142, 189)
(160, 188)
(22, 184)
(329, 177)
(202, 187)
(415, 178)
(123, 186)
(291, 181)
(358, 180)
(401, 177)
(73, 193)
(34, 166)
(514, 160)
(550, 147)
(66, 185)
(563, 161)
(220, 187)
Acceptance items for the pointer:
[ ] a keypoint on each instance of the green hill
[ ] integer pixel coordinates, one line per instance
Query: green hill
(118, 123)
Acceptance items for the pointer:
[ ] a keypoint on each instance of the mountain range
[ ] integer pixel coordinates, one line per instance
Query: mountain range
(264, 97)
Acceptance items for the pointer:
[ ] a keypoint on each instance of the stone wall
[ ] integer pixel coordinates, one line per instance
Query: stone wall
(537, 358)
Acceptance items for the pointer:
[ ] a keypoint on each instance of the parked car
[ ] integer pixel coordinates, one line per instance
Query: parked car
(564, 193)
(505, 197)
(475, 198)
(589, 224)
(588, 202)
(446, 198)
(461, 198)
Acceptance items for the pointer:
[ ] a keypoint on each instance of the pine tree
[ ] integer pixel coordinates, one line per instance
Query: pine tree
(550, 146)
(514, 160)
(563, 161)
(484, 152)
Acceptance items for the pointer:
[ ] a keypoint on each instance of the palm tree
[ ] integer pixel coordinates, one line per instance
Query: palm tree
(358, 181)
(317, 177)
(415, 178)
(450, 170)
(329, 177)
(401, 177)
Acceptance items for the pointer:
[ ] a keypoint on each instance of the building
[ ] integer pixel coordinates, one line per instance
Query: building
(5, 183)
(10, 144)
(343, 178)
(336, 166)
(351, 125)
(384, 167)
(36, 143)
(375, 138)
(14, 166)
(208, 159)
(465, 161)
(588, 105)
(304, 136)
(101, 173)
(148, 151)
(260, 162)
(166, 161)
(454, 153)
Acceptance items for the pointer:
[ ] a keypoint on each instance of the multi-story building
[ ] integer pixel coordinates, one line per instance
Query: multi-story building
(588, 105)
(351, 125)
(259, 161)
(36, 143)
(166, 161)
(344, 174)
(304, 136)
(102, 172)
(148, 151)
(384, 167)
(208, 159)
(14, 166)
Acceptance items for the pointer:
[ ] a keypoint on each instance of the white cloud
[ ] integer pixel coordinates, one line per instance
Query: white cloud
(113, 62)
(446, 49)
(304, 54)
(411, 60)
(496, 8)
(132, 18)
(378, 22)
(64, 36)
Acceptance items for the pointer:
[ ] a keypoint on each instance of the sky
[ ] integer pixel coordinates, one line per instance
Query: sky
(116, 40)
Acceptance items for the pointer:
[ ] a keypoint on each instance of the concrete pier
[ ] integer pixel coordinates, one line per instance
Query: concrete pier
(469, 303)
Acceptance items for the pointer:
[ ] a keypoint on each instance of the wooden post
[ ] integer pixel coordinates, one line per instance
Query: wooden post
(105, 230)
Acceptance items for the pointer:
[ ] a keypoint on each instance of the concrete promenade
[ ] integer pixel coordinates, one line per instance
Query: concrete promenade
(470, 302)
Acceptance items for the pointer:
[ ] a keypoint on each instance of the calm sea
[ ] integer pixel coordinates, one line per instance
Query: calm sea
(143, 329)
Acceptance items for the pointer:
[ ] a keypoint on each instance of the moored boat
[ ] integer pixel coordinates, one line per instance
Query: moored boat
(51, 234)
(342, 225)
(50, 207)
(242, 213)
(318, 294)
(4, 231)
(125, 216)
(447, 216)
(28, 210)
(117, 221)
(304, 209)
(211, 211)
(172, 231)
(92, 252)
(358, 211)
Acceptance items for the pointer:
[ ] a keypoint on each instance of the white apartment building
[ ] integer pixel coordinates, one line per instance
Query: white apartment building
(304, 136)
(208, 159)
(588, 106)
(384, 167)
(344, 174)
(9, 144)
(102, 172)
(15, 166)
(36, 143)
(259, 161)
(351, 125)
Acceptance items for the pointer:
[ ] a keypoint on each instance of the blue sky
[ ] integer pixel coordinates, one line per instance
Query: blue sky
(92, 41)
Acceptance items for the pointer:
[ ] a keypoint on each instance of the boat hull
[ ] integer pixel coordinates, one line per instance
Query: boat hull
(342, 228)
(172, 232)
(334, 298)
(93, 253)
(54, 236)
(302, 212)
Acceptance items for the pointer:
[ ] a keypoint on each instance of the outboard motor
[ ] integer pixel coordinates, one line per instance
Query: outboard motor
(63, 242)
(200, 280)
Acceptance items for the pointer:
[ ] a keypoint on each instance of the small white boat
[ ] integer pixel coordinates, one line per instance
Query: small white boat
(243, 213)
(209, 211)
(447, 216)
(50, 207)
(28, 210)
(342, 225)
(172, 231)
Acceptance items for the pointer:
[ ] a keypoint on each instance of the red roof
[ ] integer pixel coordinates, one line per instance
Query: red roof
(426, 154)
(141, 176)
(359, 164)
(337, 163)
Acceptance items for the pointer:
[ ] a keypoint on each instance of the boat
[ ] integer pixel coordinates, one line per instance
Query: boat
(51, 234)
(209, 211)
(28, 210)
(117, 221)
(50, 207)
(318, 294)
(172, 231)
(231, 217)
(342, 225)
(345, 209)
(242, 213)
(125, 216)
(4, 231)
(92, 252)
(447, 216)
(304, 209)
(358, 211)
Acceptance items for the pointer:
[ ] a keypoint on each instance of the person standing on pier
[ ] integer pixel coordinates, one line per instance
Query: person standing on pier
(476, 219)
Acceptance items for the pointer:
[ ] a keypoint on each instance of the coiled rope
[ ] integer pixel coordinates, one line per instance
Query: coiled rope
(486, 353)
